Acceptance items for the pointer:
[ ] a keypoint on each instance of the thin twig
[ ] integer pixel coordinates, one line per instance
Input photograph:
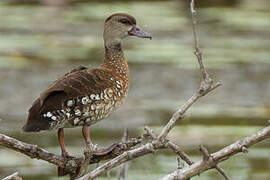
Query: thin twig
(197, 52)
(176, 149)
(208, 157)
(180, 163)
(222, 172)
(150, 132)
(180, 152)
(123, 167)
(205, 152)
(108, 175)
(205, 87)
(178, 115)
(14, 176)
(96, 178)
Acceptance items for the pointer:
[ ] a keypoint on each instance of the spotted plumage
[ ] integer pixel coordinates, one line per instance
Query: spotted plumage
(85, 95)
(82, 97)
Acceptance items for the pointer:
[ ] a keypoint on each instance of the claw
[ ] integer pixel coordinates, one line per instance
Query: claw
(67, 156)
(61, 171)
(102, 152)
(90, 149)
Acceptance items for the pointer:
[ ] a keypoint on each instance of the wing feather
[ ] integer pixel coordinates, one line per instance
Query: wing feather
(77, 83)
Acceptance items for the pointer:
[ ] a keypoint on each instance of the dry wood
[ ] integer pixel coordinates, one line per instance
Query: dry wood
(219, 156)
(71, 165)
(14, 176)
(207, 156)
(122, 175)
(180, 152)
(126, 151)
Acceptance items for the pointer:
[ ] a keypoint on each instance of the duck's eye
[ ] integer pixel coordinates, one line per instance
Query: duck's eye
(124, 21)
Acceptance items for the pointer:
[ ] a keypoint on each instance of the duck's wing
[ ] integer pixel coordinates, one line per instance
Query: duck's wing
(57, 86)
(77, 83)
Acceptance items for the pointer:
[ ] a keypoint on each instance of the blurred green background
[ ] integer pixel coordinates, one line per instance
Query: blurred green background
(41, 40)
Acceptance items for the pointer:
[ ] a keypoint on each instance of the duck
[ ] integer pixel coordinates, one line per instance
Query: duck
(85, 95)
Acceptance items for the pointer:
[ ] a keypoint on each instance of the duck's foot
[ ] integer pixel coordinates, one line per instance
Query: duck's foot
(105, 151)
(61, 171)
(90, 149)
(66, 156)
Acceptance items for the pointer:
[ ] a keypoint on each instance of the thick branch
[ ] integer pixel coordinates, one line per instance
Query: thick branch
(150, 147)
(126, 156)
(219, 156)
(30, 150)
(71, 166)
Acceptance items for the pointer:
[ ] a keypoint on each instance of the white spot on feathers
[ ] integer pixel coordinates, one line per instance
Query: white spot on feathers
(78, 112)
(70, 103)
(49, 114)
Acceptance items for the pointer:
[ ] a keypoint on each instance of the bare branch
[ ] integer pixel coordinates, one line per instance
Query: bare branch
(208, 157)
(205, 152)
(14, 176)
(205, 88)
(219, 156)
(126, 156)
(108, 175)
(167, 143)
(180, 152)
(150, 132)
(123, 167)
(88, 154)
(150, 147)
(70, 165)
(197, 52)
(222, 172)
(125, 151)
(206, 85)
(208, 161)
(180, 163)
(30, 150)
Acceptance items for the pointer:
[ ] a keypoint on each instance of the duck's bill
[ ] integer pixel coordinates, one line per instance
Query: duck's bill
(136, 31)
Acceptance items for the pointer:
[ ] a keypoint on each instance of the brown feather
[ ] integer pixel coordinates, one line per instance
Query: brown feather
(131, 18)
(77, 83)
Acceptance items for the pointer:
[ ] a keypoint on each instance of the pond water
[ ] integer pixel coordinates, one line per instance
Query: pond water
(39, 43)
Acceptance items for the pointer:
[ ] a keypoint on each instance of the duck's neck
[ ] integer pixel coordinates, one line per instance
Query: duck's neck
(115, 60)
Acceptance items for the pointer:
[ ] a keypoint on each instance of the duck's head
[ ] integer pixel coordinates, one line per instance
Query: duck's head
(119, 26)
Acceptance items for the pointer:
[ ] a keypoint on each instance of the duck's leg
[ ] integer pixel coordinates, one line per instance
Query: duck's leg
(86, 135)
(61, 171)
(100, 152)
(61, 142)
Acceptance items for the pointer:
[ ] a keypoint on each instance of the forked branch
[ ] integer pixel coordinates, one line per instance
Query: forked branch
(125, 151)
(70, 165)
(219, 156)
